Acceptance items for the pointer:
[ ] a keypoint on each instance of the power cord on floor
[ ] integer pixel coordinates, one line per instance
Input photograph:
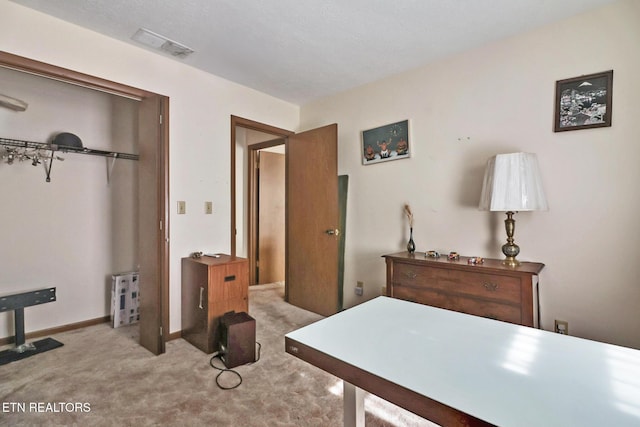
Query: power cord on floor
(218, 355)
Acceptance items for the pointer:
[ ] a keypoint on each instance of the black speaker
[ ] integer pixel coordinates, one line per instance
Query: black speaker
(238, 339)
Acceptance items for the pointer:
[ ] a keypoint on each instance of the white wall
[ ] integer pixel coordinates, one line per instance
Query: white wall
(501, 97)
(200, 110)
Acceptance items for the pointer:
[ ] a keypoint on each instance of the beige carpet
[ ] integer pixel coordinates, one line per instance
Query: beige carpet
(102, 377)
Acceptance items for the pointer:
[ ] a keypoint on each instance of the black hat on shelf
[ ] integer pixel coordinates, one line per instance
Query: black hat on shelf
(67, 139)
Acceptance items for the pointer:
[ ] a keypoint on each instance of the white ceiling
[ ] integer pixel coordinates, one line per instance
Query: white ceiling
(301, 50)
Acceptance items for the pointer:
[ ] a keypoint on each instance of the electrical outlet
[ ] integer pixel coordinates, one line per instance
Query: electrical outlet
(208, 208)
(182, 207)
(383, 290)
(561, 327)
(359, 288)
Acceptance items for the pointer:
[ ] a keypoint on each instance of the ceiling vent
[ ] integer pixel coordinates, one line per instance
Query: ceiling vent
(156, 41)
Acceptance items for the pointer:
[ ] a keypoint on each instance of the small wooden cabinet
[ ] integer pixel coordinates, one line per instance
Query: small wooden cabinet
(211, 287)
(489, 290)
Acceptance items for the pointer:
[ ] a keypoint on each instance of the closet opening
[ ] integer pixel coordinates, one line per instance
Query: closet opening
(89, 221)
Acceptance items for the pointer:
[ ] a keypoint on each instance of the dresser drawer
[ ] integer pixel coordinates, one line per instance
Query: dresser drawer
(490, 289)
(449, 301)
(501, 288)
(415, 275)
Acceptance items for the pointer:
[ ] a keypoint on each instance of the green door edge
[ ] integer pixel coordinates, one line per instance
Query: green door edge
(343, 185)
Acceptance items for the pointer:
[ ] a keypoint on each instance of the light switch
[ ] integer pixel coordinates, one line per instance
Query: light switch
(182, 207)
(208, 208)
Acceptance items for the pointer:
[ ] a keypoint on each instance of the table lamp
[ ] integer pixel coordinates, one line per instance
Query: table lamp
(512, 183)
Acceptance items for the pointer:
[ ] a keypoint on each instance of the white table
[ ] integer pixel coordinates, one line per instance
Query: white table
(457, 369)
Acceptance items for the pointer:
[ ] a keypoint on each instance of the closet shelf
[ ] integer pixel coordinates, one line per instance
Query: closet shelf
(37, 152)
(65, 149)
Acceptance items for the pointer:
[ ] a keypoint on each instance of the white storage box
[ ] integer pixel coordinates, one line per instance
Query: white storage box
(125, 297)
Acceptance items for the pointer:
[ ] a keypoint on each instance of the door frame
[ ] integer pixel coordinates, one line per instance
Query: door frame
(279, 136)
(42, 69)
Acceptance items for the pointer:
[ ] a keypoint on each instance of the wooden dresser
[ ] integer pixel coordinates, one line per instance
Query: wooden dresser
(489, 290)
(211, 287)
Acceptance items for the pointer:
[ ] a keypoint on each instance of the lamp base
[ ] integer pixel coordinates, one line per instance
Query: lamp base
(510, 249)
(510, 261)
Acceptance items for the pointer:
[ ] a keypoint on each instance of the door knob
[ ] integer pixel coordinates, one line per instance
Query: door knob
(335, 232)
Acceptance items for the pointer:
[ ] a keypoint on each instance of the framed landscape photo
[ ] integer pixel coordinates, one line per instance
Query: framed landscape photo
(584, 102)
(384, 143)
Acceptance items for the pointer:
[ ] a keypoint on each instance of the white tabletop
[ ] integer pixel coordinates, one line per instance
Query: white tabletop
(502, 373)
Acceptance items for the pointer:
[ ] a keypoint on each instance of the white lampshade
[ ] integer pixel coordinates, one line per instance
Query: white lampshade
(512, 183)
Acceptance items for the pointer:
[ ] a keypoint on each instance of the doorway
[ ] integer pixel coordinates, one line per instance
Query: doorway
(248, 140)
(269, 214)
(311, 210)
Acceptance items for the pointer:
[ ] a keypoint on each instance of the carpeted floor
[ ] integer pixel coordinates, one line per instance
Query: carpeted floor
(102, 377)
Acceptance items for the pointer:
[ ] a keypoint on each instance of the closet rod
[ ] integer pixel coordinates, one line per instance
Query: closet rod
(65, 149)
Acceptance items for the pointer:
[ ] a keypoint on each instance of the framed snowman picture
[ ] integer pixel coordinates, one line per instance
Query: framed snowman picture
(385, 143)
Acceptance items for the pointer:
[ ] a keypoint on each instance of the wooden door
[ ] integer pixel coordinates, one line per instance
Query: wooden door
(153, 232)
(271, 203)
(311, 220)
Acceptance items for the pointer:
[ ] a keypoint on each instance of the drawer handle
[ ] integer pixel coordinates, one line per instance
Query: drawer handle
(201, 294)
(411, 274)
(230, 278)
(490, 286)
